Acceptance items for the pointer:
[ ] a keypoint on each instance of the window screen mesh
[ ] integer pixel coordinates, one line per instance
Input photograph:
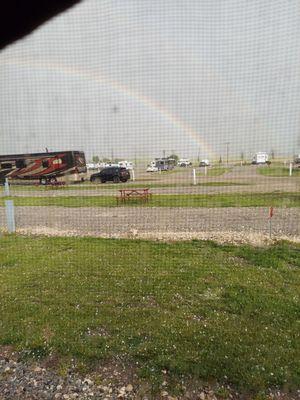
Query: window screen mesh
(172, 126)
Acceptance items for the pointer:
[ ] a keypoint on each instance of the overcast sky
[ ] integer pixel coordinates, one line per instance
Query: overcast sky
(143, 76)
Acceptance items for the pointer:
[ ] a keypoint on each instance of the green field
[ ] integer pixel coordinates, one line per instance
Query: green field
(193, 200)
(131, 184)
(197, 309)
(278, 171)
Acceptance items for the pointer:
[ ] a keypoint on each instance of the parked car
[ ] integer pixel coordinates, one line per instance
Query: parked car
(152, 168)
(204, 163)
(115, 174)
(184, 162)
(297, 161)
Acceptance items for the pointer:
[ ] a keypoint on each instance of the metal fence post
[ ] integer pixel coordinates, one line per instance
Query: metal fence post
(10, 216)
(271, 213)
(291, 169)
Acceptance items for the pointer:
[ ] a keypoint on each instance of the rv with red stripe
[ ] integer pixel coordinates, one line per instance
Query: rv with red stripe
(62, 166)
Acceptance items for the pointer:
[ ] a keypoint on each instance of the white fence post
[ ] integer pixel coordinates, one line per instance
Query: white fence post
(205, 170)
(291, 169)
(6, 187)
(194, 177)
(10, 216)
(133, 175)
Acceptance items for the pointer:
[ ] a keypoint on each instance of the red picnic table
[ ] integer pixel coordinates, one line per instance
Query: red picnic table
(133, 194)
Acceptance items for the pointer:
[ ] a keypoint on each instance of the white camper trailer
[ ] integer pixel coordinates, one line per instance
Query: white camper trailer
(126, 164)
(260, 158)
(184, 162)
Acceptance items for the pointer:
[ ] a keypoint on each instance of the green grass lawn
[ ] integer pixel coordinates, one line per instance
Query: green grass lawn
(198, 309)
(161, 185)
(194, 200)
(278, 171)
(131, 184)
(224, 183)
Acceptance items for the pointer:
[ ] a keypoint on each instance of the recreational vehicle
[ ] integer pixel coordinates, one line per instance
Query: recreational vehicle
(204, 163)
(63, 166)
(165, 164)
(260, 158)
(126, 164)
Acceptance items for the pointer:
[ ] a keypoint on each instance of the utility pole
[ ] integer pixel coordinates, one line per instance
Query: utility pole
(135, 160)
(227, 152)
(164, 153)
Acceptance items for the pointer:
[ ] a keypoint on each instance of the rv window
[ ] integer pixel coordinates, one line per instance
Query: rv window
(79, 160)
(20, 164)
(6, 165)
(45, 164)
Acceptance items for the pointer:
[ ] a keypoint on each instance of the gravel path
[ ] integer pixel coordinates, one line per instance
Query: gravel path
(30, 380)
(20, 380)
(174, 222)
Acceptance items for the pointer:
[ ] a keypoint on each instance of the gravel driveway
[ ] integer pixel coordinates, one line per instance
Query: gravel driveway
(103, 221)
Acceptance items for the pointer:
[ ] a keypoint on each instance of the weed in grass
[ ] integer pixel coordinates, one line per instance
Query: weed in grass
(261, 396)
(82, 368)
(222, 393)
(64, 367)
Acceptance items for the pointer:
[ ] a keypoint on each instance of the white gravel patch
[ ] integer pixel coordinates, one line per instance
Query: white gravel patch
(255, 239)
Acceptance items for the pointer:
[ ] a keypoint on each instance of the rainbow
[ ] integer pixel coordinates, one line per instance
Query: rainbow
(95, 76)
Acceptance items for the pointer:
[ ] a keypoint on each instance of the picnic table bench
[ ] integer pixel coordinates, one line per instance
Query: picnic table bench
(133, 194)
